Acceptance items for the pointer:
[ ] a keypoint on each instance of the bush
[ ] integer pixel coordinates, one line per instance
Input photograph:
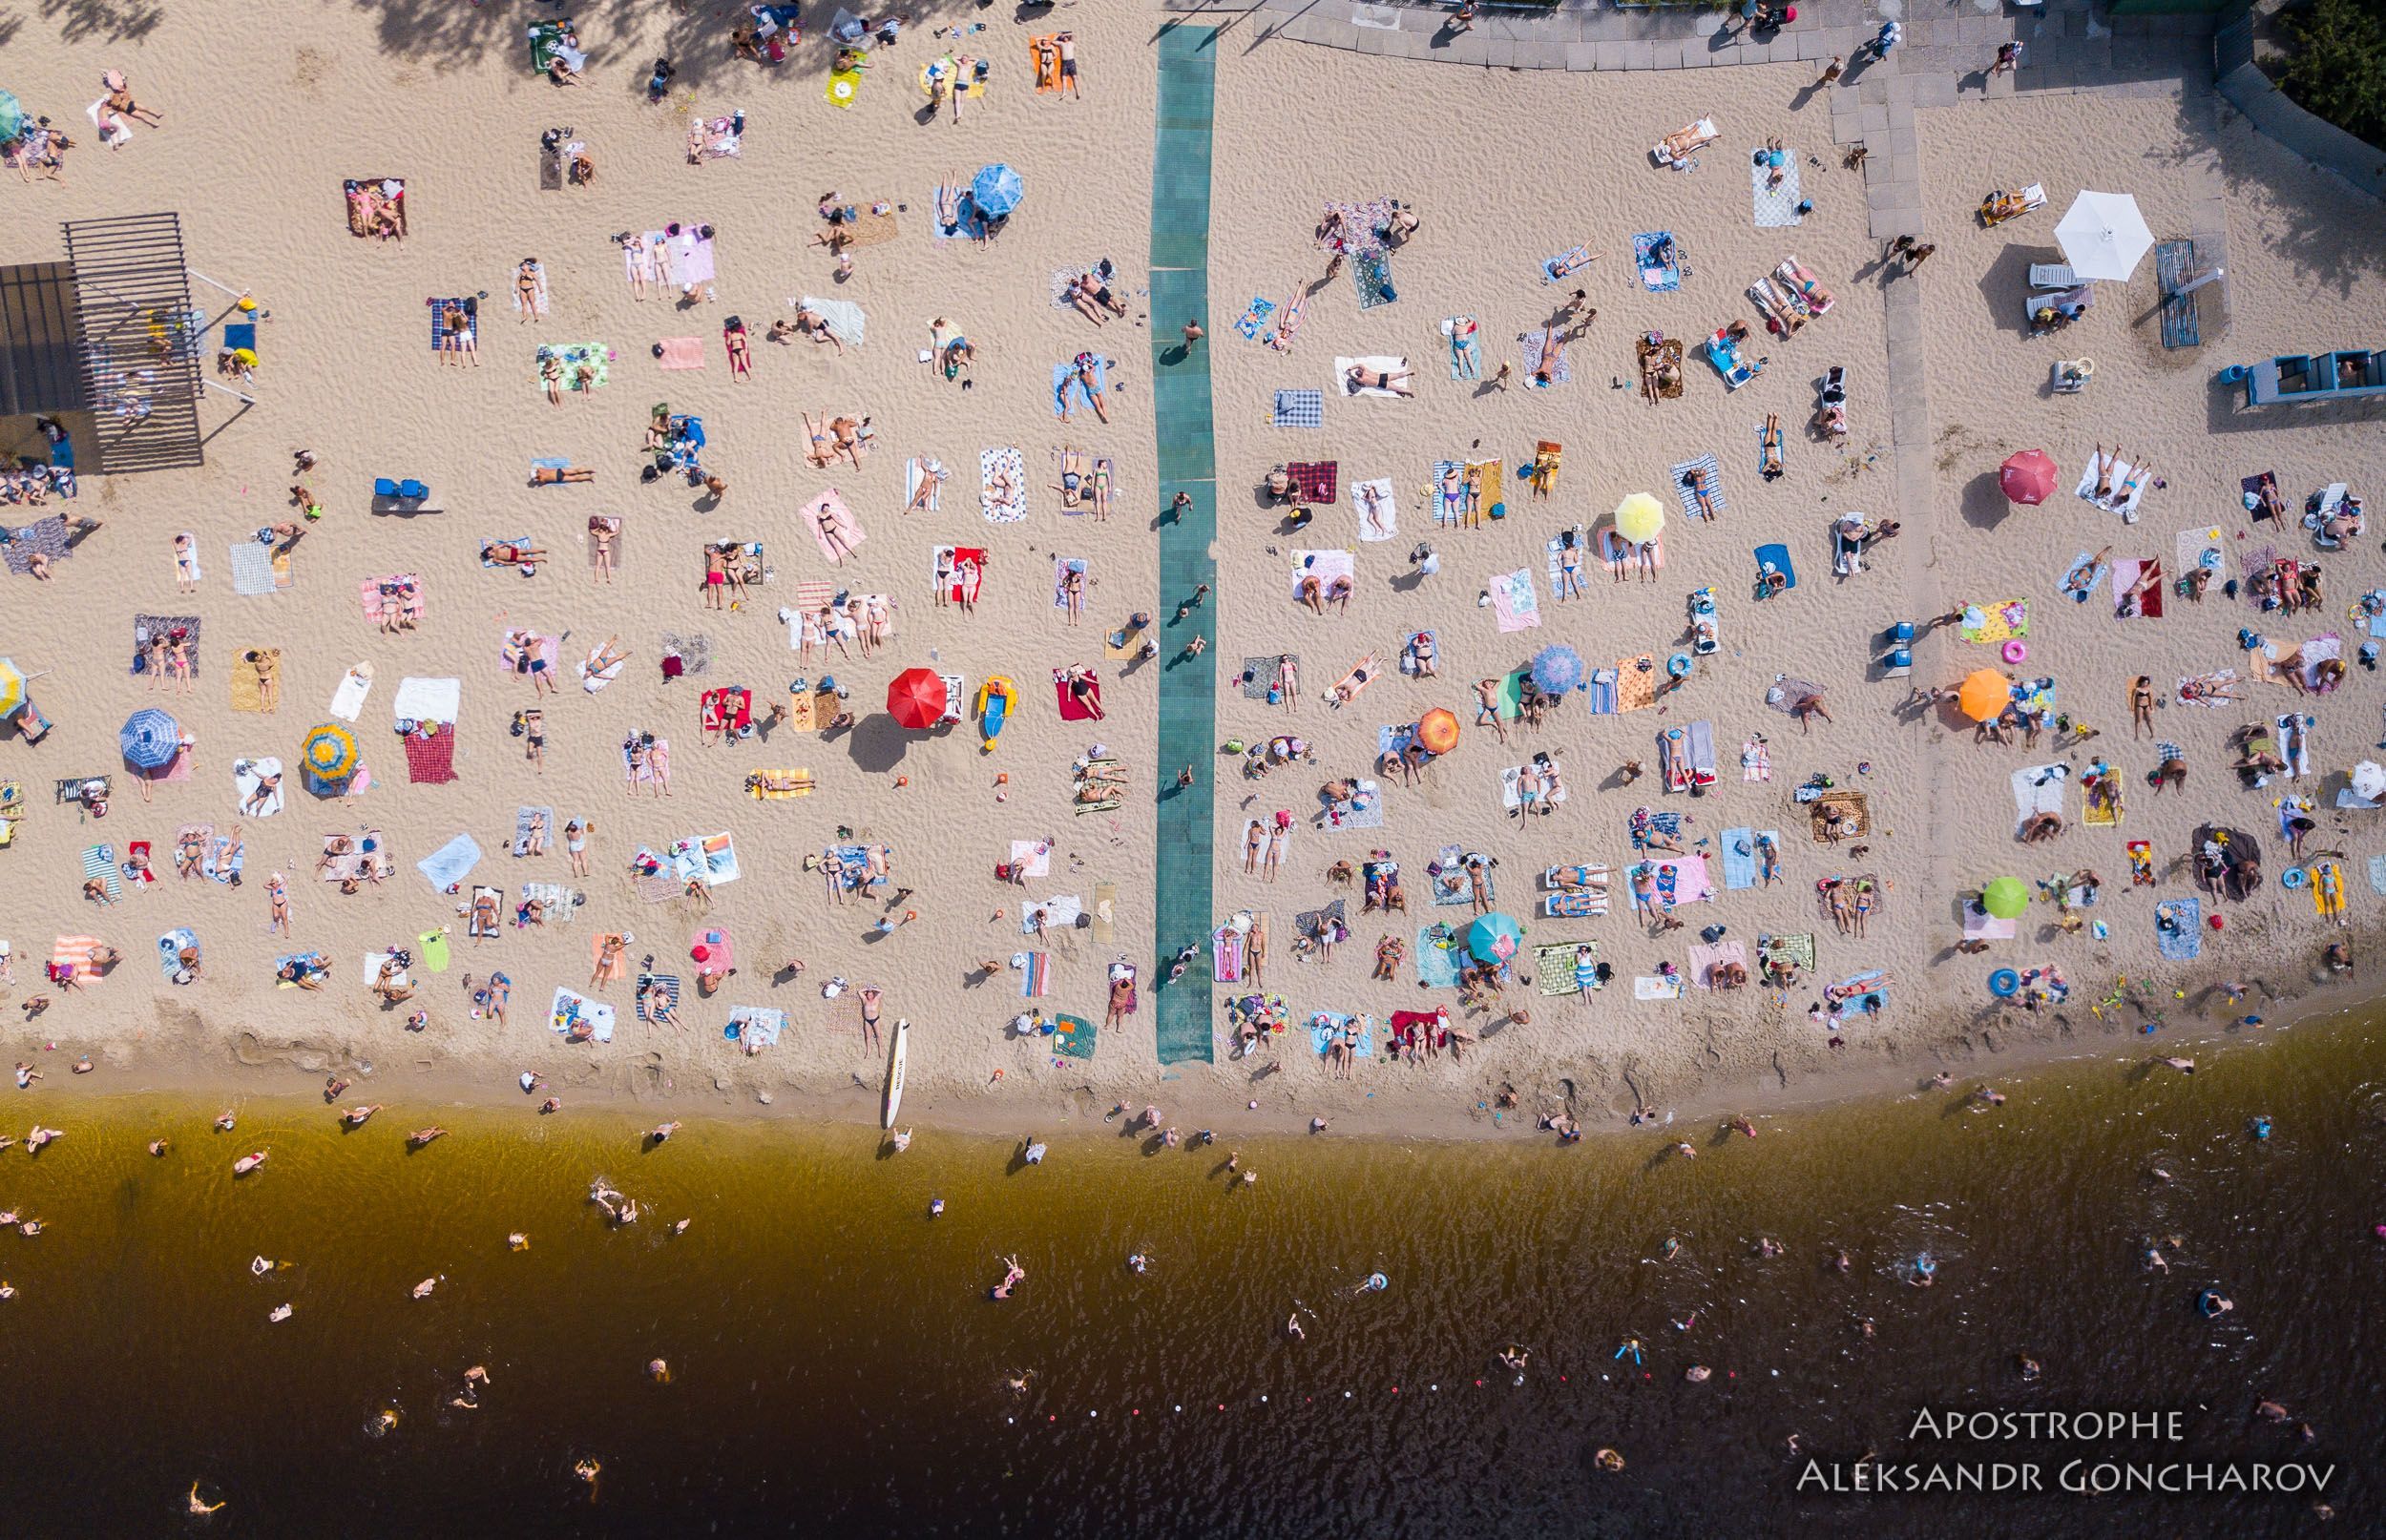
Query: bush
(2338, 67)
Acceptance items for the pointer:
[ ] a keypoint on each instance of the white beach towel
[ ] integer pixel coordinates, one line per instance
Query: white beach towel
(186, 563)
(1646, 987)
(1323, 565)
(919, 469)
(246, 776)
(1385, 524)
(1511, 792)
(1061, 913)
(426, 700)
(1377, 363)
(1031, 857)
(1004, 457)
(2327, 648)
(2038, 788)
(845, 319)
(2120, 476)
(348, 700)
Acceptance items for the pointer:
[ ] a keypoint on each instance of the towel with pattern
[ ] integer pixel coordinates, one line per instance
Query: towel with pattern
(1514, 605)
(1541, 347)
(1776, 203)
(46, 537)
(1003, 484)
(258, 569)
(1299, 408)
(1711, 478)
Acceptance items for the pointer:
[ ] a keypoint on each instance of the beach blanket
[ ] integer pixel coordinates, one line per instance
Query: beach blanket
(1252, 323)
(1992, 623)
(1646, 987)
(456, 318)
(426, 699)
(1704, 959)
(2120, 472)
(2038, 788)
(248, 684)
(247, 775)
(2197, 690)
(693, 261)
(1511, 789)
(147, 627)
(1004, 458)
(828, 511)
(394, 597)
(1361, 810)
(2252, 562)
(1623, 558)
(680, 353)
(846, 320)
(2179, 928)
(2125, 577)
(1370, 273)
(596, 357)
(755, 1026)
(1560, 372)
(1074, 1036)
(1325, 566)
(348, 700)
(922, 469)
(711, 856)
(1636, 682)
(1681, 879)
(1979, 924)
(2327, 647)
(570, 1008)
(1275, 679)
(1756, 760)
(1299, 408)
(1326, 1026)
(46, 537)
(1854, 811)
(649, 985)
(1377, 509)
(1563, 968)
(1657, 277)
(1059, 912)
(1514, 606)
(1797, 950)
(1862, 994)
(1738, 850)
(1680, 476)
(1069, 393)
(1314, 480)
(1374, 363)
(99, 861)
(1775, 206)
(1466, 346)
(2205, 548)
(256, 569)
(1448, 878)
(1438, 957)
(431, 759)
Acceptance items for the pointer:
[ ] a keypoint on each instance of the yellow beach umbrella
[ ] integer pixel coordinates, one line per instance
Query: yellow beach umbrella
(1639, 517)
(11, 688)
(1983, 694)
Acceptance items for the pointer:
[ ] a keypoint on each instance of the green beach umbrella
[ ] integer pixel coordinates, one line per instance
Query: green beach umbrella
(2006, 898)
(1493, 938)
(11, 117)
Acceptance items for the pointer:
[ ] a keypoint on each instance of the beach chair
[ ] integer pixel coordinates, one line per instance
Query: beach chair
(1722, 351)
(2000, 206)
(1803, 285)
(2053, 276)
(1678, 148)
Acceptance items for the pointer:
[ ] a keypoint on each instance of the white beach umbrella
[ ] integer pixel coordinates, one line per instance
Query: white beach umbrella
(2104, 236)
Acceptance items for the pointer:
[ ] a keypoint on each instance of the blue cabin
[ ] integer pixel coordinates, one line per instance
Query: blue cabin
(2341, 376)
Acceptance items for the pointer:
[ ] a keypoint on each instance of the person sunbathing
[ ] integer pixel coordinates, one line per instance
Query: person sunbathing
(1422, 654)
(1553, 355)
(507, 553)
(559, 70)
(852, 437)
(1831, 420)
(2104, 471)
(815, 326)
(560, 475)
(1279, 485)
(305, 973)
(1701, 491)
(1359, 377)
(1093, 299)
(2038, 828)
(741, 351)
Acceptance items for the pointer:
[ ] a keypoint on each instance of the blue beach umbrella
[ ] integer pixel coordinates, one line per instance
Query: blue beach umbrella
(995, 192)
(1493, 938)
(1557, 670)
(11, 117)
(150, 740)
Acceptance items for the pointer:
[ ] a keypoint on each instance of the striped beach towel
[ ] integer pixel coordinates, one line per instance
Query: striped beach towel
(1681, 477)
(100, 860)
(666, 985)
(1036, 975)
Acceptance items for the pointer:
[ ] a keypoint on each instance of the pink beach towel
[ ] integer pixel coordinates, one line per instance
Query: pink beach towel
(839, 516)
(680, 353)
(1514, 606)
(378, 608)
(1705, 959)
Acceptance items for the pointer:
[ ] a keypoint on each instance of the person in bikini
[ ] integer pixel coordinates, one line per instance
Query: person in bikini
(1092, 298)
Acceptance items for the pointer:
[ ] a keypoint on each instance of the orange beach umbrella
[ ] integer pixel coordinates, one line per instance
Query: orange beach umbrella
(1438, 731)
(1983, 694)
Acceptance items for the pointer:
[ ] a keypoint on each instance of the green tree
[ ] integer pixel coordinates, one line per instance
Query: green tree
(2338, 67)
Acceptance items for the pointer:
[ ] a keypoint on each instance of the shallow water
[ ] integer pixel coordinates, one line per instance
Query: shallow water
(837, 1368)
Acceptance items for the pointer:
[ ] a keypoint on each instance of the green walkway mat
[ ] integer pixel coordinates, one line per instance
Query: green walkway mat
(1188, 687)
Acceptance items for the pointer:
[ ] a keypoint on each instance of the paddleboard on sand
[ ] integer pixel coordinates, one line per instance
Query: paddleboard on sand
(894, 1072)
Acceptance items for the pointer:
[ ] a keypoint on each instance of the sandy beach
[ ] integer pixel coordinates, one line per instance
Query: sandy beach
(1503, 170)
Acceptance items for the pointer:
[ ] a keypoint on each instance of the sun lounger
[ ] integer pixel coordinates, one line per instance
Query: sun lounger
(2053, 276)
(1678, 148)
(1722, 351)
(2000, 206)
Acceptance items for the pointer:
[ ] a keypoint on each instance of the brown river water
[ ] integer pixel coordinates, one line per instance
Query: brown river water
(837, 1368)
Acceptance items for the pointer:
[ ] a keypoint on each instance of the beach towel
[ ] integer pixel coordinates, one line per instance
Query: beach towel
(1565, 263)
(1559, 968)
(1623, 558)
(1861, 993)
(755, 1026)
(1437, 958)
(1325, 566)
(2179, 928)
(2205, 548)
(1299, 408)
(2120, 472)
(1511, 789)
(99, 861)
(692, 255)
(247, 775)
(2197, 690)
(570, 356)
(680, 353)
(1738, 848)
(255, 568)
(1756, 760)
(1979, 924)
(1377, 509)
(2251, 562)
(347, 702)
(828, 511)
(522, 820)
(1514, 606)
(2377, 875)
(2295, 742)
(170, 949)
(1374, 363)
(1992, 623)
(248, 687)
(1681, 879)
(1466, 346)
(2328, 888)
(1560, 372)
(1646, 987)
(46, 537)
(569, 1009)
(426, 699)
(1775, 206)
(1325, 1026)
(711, 856)
(1636, 682)
(919, 470)
(1225, 948)
(148, 627)
(846, 320)
(2038, 788)
(1854, 810)
(1004, 458)
(1657, 277)
(1275, 679)
(225, 858)
(2125, 577)
(1062, 568)
(1704, 959)
(1069, 393)
(1446, 879)
(665, 985)
(1251, 324)
(1680, 476)
(1061, 912)
(1370, 273)
(2326, 648)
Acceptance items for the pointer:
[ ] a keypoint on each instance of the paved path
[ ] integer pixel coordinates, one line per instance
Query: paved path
(1181, 408)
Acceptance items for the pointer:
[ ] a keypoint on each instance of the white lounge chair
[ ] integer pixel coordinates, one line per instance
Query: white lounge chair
(2053, 276)
(1678, 147)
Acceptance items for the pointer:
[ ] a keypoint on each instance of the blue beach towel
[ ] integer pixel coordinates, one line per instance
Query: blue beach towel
(1437, 965)
(439, 332)
(1254, 321)
(1299, 408)
(2378, 874)
(100, 860)
(1326, 1025)
(1738, 852)
(451, 863)
(2095, 579)
(1778, 558)
(1774, 206)
(1573, 255)
(1531, 342)
(1657, 278)
(1064, 382)
(1871, 1000)
(1395, 739)
(170, 948)
(2185, 942)
(1466, 346)
(1601, 697)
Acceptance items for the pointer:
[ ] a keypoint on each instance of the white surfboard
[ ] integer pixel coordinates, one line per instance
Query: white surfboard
(894, 1072)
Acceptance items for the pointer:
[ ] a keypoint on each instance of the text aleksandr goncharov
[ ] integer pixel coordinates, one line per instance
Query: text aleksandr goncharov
(2092, 1474)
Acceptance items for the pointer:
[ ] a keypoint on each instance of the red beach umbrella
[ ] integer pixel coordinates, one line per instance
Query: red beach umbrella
(916, 699)
(2028, 478)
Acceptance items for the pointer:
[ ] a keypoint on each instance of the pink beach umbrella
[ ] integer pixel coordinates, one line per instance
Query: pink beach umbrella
(2028, 478)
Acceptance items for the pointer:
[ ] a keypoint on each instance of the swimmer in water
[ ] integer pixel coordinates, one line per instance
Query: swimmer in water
(1673, 1244)
(936, 1208)
(2260, 1128)
(1515, 1357)
(1292, 1327)
(199, 1510)
(2214, 1303)
(2028, 1368)
(1138, 1261)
